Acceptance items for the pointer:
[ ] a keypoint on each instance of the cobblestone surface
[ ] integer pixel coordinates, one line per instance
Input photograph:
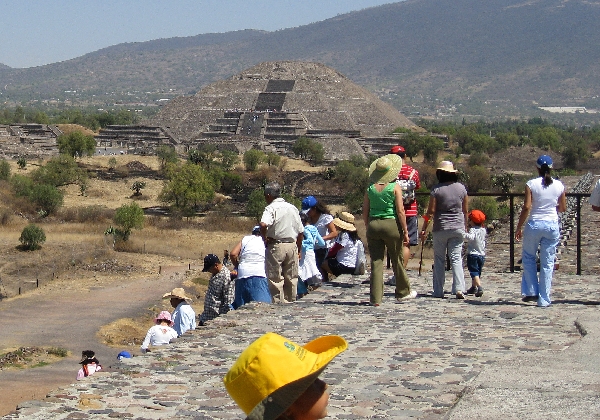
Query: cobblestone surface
(405, 360)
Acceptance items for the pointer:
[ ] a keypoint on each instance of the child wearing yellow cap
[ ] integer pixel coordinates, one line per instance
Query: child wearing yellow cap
(475, 250)
(277, 379)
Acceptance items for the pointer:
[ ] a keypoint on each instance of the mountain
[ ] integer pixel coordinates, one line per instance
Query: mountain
(485, 55)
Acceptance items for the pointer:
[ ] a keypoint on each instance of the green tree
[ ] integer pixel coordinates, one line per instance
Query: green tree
(166, 154)
(4, 170)
(229, 159)
(273, 159)
(505, 182)
(60, 171)
(137, 187)
(112, 163)
(188, 186)
(256, 204)
(253, 158)
(128, 217)
(204, 155)
(21, 185)
(431, 147)
(21, 162)
(76, 144)
(576, 151)
(48, 198)
(32, 236)
(412, 145)
(308, 149)
(547, 138)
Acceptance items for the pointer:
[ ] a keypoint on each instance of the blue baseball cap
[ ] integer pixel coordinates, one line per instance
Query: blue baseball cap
(124, 355)
(309, 202)
(544, 160)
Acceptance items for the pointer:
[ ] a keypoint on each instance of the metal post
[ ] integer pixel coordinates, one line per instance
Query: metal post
(578, 235)
(511, 240)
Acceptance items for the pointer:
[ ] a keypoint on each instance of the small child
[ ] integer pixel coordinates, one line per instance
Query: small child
(275, 378)
(89, 364)
(161, 333)
(475, 250)
(308, 272)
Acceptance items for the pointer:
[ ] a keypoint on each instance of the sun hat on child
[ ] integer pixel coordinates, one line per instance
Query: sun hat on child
(385, 169)
(477, 216)
(273, 372)
(177, 293)
(164, 315)
(345, 220)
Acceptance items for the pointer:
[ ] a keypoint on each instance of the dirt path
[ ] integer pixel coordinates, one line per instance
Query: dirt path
(66, 317)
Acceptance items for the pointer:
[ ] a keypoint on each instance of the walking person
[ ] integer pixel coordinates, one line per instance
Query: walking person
(383, 214)
(408, 179)
(475, 250)
(544, 199)
(448, 206)
(282, 232)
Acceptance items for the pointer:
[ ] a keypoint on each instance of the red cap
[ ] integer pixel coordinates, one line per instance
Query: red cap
(397, 149)
(477, 216)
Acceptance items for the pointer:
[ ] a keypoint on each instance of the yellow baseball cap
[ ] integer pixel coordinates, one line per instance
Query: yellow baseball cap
(272, 372)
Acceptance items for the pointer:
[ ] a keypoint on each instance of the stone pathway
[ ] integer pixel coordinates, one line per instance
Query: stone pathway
(408, 360)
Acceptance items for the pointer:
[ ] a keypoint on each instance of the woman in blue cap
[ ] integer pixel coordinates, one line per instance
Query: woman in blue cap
(544, 199)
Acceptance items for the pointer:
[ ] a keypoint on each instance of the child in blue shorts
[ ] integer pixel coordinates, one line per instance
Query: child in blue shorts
(475, 250)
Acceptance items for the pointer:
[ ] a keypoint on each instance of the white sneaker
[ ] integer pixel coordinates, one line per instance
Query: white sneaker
(411, 295)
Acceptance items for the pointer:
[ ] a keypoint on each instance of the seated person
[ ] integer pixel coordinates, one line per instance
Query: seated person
(341, 258)
(275, 378)
(221, 289)
(184, 317)
(249, 257)
(161, 333)
(89, 364)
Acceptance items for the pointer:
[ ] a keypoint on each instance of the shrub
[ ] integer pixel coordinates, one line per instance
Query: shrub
(256, 204)
(489, 206)
(4, 170)
(477, 178)
(21, 185)
(137, 187)
(48, 198)
(32, 237)
(128, 217)
(253, 158)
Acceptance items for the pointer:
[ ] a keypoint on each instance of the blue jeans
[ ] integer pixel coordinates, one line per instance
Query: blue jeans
(545, 235)
(451, 241)
(475, 264)
(250, 289)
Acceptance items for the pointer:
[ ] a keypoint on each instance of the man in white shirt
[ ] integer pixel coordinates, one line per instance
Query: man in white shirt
(282, 231)
(184, 317)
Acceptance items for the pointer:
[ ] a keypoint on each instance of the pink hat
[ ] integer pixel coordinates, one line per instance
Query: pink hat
(164, 315)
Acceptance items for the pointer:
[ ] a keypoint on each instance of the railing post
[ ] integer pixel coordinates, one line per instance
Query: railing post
(511, 240)
(578, 235)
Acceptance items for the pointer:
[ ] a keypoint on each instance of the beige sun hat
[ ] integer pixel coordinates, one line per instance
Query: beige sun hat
(345, 221)
(177, 293)
(385, 169)
(446, 166)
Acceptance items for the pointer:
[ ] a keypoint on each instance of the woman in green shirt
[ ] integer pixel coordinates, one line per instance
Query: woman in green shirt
(383, 214)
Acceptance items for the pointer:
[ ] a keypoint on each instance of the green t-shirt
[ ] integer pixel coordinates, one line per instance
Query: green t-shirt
(382, 204)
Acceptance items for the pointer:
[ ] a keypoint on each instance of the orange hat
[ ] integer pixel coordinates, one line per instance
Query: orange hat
(477, 216)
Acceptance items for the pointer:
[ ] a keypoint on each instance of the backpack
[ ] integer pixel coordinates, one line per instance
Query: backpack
(361, 258)
(408, 189)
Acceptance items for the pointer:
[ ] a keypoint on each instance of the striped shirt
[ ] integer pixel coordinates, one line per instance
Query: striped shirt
(411, 209)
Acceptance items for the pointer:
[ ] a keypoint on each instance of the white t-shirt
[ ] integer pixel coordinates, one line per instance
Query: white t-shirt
(595, 197)
(321, 225)
(252, 257)
(544, 199)
(158, 335)
(347, 255)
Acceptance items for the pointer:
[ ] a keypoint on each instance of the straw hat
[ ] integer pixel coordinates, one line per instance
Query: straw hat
(345, 221)
(446, 166)
(177, 293)
(273, 372)
(385, 169)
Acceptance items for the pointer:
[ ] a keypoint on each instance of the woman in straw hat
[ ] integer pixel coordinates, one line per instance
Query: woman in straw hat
(277, 379)
(383, 214)
(341, 258)
(449, 208)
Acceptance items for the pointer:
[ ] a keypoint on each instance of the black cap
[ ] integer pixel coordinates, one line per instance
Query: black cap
(209, 261)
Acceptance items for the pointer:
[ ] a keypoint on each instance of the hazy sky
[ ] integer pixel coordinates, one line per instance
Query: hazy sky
(37, 32)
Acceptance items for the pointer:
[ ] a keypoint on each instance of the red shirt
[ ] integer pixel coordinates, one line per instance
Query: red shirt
(411, 209)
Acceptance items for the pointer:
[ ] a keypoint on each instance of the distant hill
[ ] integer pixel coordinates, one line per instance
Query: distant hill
(485, 55)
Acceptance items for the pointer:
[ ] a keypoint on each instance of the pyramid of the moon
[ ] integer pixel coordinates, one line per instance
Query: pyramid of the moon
(280, 101)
